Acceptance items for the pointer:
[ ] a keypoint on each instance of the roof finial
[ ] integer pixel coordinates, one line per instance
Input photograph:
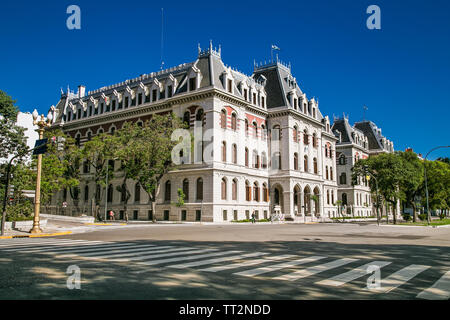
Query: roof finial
(210, 45)
(199, 49)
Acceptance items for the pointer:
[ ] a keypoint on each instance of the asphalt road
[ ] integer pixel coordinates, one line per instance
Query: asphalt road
(238, 261)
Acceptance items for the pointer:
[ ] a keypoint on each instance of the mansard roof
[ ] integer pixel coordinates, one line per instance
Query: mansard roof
(373, 134)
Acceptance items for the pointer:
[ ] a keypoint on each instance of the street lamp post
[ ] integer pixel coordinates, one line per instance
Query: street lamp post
(426, 183)
(42, 123)
(368, 175)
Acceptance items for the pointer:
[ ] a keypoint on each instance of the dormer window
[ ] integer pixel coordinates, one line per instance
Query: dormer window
(126, 103)
(113, 106)
(246, 94)
(254, 98)
(230, 86)
(192, 84)
(169, 91)
(154, 95)
(263, 102)
(295, 103)
(139, 98)
(101, 108)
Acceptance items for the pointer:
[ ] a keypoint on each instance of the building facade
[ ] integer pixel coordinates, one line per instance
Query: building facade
(265, 148)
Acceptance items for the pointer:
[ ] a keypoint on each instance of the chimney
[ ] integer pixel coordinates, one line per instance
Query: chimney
(81, 91)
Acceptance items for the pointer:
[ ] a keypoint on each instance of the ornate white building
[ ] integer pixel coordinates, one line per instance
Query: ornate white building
(271, 148)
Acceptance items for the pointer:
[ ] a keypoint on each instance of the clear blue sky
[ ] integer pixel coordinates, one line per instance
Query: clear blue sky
(401, 72)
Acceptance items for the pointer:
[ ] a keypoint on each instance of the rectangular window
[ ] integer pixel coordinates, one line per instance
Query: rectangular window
(140, 98)
(230, 86)
(247, 214)
(198, 215)
(135, 214)
(126, 103)
(265, 214)
(166, 215)
(183, 215)
(169, 91)
(95, 111)
(147, 98)
(254, 98)
(225, 217)
(101, 108)
(256, 214)
(245, 94)
(154, 95)
(263, 103)
(150, 215)
(192, 84)
(113, 106)
(235, 215)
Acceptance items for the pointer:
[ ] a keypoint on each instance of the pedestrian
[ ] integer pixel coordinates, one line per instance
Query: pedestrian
(253, 217)
(126, 216)
(111, 215)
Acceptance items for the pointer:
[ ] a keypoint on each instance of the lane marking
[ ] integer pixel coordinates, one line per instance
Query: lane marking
(314, 270)
(279, 266)
(351, 275)
(440, 290)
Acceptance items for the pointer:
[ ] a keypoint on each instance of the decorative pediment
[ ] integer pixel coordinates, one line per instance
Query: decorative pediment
(94, 101)
(105, 98)
(72, 106)
(118, 95)
(82, 104)
(144, 88)
(131, 92)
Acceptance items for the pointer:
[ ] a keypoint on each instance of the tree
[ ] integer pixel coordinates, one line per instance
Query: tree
(412, 179)
(11, 135)
(152, 146)
(438, 182)
(389, 172)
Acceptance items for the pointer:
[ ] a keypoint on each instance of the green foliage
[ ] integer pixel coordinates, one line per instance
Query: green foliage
(406, 217)
(20, 211)
(12, 137)
(181, 197)
(423, 216)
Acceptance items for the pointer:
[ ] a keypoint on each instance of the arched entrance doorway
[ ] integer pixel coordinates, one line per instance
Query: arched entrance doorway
(316, 201)
(297, 201)
(277, 197)
(307, 200)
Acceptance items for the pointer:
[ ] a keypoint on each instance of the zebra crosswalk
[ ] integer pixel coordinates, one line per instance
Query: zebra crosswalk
(289, 268)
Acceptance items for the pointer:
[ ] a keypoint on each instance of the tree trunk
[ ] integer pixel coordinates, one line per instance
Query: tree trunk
(414, 211)
(394, 213)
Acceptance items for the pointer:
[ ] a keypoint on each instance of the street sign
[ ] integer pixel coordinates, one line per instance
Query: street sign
(40, 147)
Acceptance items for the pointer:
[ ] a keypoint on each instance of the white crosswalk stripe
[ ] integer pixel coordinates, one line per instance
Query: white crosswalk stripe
(351, 275)
(156, 251)
(440, 290)
(24, 245)
(55, 246)
(110, 250)
(153, 256)
(215, 260)
(82, 248)
(275, 267)
(400, 277)
(194, 257)
(316, 269)
(247, 263)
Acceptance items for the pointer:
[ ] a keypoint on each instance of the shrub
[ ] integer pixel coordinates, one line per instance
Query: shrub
(423, 216)
(406, 217)
(20, 211)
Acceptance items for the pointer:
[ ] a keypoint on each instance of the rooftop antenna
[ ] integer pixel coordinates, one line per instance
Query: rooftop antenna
(162, 37)
(364, 112)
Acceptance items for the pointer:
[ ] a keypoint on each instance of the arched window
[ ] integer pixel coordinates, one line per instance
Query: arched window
(255, 129)
(246, 157)
(332, 197)
(343, 178)
(78, 139)
(233, 121)
(263, 132)
(248, 191)
(137, 192)
(89, 136)
(305, 163)
(234, 190)
(265, 193)
(112, 130)
(167, 191)
(315, 144)
(295, 134)
(199, 189)
(255, 159)
(186, 189)
(315, 165)
(326, 172)
(224, 189)
(341, 160)
(326, 151)
(263, 160)
(344, 199)
(234, 153)
(200, 116)
(295, 161)
(305, 137)
(246, 127)
(224, 151)
(331, 173)
(187, 118)
(328, 196)
(276, 161)
(223, 119)
(255, 192)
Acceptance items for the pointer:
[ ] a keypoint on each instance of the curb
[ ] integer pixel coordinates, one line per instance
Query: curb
(37, 235)
(105, 224)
